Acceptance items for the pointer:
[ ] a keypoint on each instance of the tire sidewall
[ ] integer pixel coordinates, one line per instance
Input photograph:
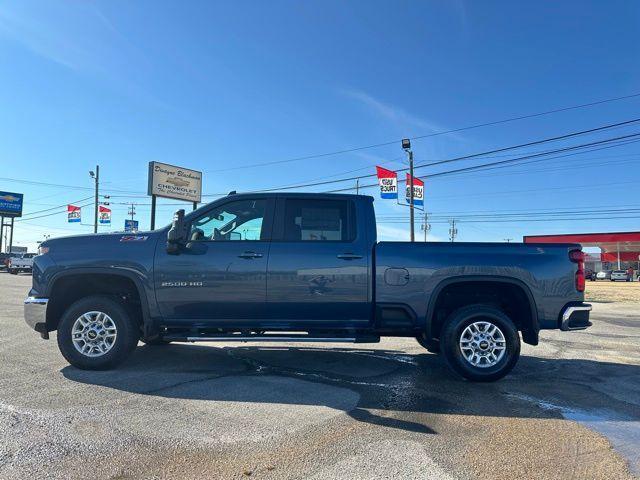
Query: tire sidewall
(461, 319)
(126, 339)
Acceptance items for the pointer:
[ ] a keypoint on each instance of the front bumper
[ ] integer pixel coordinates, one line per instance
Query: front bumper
(575, 317)
(35, 314)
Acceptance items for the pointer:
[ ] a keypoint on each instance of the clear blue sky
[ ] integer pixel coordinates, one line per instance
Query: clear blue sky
(214, 85)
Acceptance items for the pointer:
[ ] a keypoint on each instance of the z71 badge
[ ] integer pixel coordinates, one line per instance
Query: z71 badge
(134, 238)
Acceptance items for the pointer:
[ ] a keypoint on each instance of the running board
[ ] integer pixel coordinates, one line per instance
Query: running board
(274, 338)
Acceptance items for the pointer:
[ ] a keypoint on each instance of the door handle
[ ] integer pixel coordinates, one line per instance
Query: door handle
(349, 256)
(250, 255)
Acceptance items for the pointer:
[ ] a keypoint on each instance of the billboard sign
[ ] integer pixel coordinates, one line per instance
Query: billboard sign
(73, 214)
(179, 183)
(130, 225)
(104, 215)
(418, 191)
(10, 204)
(388, 181)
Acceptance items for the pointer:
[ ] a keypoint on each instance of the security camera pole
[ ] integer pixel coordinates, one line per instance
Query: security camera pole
(96, 178)
(406, 145)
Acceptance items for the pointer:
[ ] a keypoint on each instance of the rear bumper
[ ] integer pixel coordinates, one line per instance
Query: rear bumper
(35, 314)
(575, 317)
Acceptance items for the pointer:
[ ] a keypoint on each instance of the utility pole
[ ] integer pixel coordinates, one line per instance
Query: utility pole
(453, 231)
(357, 186)
(406, 145)
(425, 226)
(96, 178)
(132, 210)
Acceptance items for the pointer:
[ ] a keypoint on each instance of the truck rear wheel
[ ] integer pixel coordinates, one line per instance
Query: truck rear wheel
(97, 333)
(480, 343)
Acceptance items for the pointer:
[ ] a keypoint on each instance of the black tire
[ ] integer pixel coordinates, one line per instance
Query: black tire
(13, 271)
(451, 334)
(126, 340)
(431, 346)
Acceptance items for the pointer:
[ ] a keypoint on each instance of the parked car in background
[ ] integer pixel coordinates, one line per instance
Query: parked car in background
(603, 275)
(590, 274)
(4, 260)
(20, 263)
(618, 275)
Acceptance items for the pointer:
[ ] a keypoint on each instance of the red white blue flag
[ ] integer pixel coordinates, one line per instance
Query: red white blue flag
(73, 214)
(388, 181)
(418, 191)
(104, 215)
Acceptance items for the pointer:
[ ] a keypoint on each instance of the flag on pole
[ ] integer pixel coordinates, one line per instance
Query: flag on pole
(388, 181)
(418, 191)
(104, 215)
(73, 214)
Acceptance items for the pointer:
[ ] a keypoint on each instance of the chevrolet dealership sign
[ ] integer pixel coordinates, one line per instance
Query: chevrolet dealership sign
(169, 181)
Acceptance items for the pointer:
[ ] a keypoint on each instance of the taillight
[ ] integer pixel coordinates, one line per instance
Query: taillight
(577, 256)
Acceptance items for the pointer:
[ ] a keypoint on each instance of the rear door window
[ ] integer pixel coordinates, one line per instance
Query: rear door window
(319, 220)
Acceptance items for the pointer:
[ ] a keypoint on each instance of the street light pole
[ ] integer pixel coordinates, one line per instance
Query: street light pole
(96, 178)
(406, 145)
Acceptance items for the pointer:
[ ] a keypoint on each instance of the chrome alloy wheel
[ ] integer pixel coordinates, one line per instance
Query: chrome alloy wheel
(482, 344)
(94, 334)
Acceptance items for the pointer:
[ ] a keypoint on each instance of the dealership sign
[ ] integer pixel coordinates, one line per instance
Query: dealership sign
(418, 191)
(130, 225)
(10, 204)
(104, 215)
(73, 214)
(170, 181)
(388, 181)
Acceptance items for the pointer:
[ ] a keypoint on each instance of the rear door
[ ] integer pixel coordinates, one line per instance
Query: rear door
(318, 272)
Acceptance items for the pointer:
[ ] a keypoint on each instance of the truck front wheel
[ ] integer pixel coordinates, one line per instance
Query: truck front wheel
(480, 343)
(97, 333)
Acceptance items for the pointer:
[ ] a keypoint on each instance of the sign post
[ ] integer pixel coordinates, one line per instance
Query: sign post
(170, 181)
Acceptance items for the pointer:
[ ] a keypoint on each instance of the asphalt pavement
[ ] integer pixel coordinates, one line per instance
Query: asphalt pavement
(570, 409)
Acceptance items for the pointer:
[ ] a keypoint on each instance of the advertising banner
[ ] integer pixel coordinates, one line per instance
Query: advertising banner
(388, 181)
(10, 204)
(170, 181)
(104, 215)
(130, 225)
(418, 191)
(73, 214)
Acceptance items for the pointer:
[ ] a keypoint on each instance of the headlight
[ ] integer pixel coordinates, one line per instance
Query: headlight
(42, 250)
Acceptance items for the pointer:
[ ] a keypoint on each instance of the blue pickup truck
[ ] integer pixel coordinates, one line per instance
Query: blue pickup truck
(300, 267)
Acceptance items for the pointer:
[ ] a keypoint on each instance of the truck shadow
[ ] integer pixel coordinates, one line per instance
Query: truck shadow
(392, 388)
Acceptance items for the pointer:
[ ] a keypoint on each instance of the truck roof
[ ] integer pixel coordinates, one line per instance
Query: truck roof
(298, 195)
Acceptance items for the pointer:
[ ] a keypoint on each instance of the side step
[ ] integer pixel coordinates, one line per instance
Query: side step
(273, 337)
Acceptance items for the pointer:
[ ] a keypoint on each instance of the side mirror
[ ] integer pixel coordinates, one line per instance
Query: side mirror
(177, 234)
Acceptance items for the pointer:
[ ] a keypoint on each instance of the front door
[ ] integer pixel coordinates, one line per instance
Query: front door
(219, 276)
(318, 272)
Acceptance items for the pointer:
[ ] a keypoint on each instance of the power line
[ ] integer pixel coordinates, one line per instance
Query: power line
(56, 207)
(419, 137)
(501, 162)
(464, 157)
(50, 214)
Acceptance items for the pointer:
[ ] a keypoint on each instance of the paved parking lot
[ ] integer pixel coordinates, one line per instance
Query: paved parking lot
(571, 409)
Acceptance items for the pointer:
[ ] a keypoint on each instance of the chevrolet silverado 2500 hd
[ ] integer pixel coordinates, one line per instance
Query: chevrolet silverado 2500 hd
(301, 267)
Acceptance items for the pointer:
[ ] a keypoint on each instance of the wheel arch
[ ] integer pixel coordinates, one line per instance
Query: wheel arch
(75, 275)
(530, 327)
